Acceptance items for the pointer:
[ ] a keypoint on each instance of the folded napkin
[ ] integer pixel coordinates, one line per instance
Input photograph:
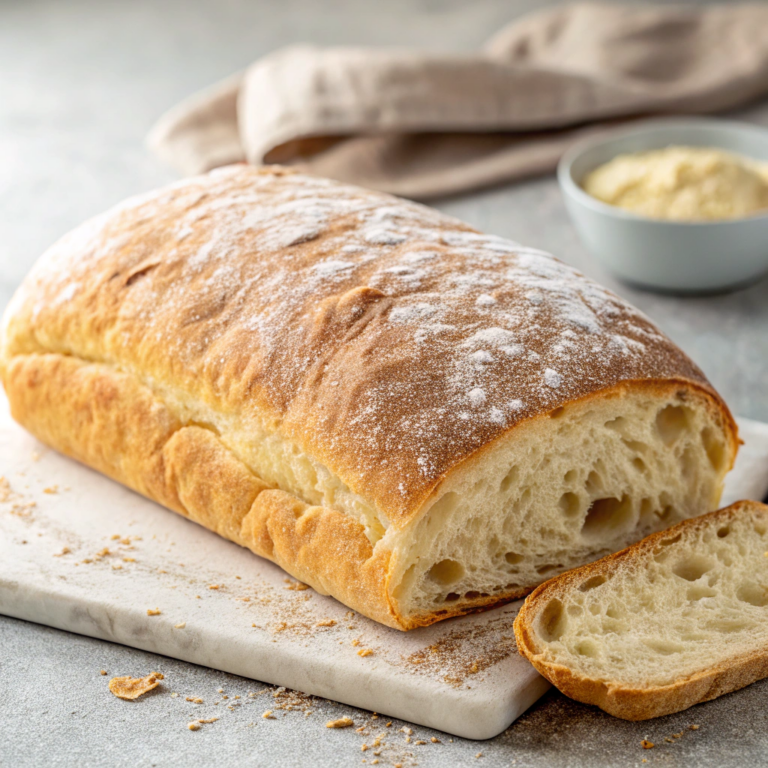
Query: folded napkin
(422, 124)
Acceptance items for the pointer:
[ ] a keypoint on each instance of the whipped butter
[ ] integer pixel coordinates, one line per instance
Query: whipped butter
(683, 184)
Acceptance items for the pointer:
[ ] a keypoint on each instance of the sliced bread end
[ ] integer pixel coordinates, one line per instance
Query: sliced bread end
(679, 618)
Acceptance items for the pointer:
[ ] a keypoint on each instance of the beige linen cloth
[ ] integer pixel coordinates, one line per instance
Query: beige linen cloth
(423, 124)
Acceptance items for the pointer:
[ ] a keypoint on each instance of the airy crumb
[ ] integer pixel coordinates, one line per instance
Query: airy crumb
(153, 611)
(326, 623)
(180, 625)
(342, 722)
(365, 652)
(647, 744)
(268, 715)
(132, 687)
(195, 699)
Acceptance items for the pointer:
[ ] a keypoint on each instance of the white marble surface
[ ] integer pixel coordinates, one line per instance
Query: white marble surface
(80, 84)
(82, 553)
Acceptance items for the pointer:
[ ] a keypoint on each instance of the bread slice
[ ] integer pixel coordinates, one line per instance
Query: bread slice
(678, 618)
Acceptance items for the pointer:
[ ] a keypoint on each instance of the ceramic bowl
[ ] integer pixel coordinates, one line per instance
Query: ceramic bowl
(682, 257)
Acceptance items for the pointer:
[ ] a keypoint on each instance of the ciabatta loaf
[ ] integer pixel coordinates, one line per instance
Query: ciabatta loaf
(678, 618)
(414, 417)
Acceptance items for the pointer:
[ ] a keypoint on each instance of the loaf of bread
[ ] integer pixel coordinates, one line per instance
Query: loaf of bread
(411, 416)
(678, 618)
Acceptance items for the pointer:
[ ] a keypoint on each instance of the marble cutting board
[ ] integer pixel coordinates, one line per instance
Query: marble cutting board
(81, 553)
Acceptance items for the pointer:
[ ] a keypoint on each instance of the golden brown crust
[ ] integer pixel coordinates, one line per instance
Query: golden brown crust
(611, 696)
(385, 341)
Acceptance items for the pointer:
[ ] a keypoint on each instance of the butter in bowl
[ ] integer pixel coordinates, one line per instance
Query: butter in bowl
(678, 205)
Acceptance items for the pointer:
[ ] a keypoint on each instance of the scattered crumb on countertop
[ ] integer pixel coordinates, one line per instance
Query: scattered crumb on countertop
(342, 722)
(132, 687)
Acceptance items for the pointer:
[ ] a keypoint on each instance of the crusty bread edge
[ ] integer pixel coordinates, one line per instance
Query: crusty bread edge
(611, 696)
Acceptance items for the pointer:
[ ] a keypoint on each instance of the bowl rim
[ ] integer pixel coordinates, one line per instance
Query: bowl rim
(644, 127)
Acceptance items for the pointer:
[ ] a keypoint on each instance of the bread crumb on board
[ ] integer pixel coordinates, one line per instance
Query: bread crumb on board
(195, 699)
(342, 722)
(153, 611)
(647, 744)
(5, 489)
(365, 652)
(130, 688)
(180, 625)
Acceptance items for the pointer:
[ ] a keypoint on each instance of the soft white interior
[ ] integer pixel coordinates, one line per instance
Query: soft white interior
(562, 491)
(697, 600)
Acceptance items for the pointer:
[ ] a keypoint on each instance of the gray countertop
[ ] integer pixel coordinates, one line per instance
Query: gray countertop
(80, 84)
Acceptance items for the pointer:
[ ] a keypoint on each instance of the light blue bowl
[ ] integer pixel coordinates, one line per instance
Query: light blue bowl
(682, 257)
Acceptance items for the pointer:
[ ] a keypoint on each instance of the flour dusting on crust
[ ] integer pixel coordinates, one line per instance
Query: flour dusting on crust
(378, 332)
